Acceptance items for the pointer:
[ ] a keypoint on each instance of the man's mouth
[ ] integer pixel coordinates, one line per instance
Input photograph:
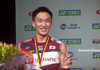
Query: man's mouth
(43, 29)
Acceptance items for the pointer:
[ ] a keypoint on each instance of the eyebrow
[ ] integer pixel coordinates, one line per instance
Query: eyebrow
(41, 18)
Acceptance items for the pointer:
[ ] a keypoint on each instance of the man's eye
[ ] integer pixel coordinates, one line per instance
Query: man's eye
(39, 20)
(48, 20)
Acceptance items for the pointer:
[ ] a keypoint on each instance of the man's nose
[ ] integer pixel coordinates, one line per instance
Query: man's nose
(44, 23)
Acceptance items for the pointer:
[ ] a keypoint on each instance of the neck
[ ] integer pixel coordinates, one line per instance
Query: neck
(41, 39)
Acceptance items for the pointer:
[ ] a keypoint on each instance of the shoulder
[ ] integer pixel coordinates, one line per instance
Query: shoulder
(26, 44)
(55, 40)
(27, 41)
(59, 44)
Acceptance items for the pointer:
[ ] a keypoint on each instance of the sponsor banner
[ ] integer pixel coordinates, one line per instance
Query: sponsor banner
(69, 26)
(29, 28)
(74, 12)
(96, 26)
(96, 55)
(71, 41)
(72, 15)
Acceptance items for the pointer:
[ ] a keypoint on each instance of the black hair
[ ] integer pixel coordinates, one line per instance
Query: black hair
(41, 9)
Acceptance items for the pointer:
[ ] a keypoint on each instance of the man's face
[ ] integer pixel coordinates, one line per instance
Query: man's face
(42, 23)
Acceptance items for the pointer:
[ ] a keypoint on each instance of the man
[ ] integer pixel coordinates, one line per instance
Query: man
(48, 53)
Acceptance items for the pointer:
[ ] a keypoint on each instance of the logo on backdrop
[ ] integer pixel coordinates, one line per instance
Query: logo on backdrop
(71, 54)
(69, 26)
(30, 13)
(96, 41)
(96, 68)
(98, 12)
(74, 12)
(29, 28)
(96, 55)
(71, 41)
(75, 68)
(96, 26)
(63, 26)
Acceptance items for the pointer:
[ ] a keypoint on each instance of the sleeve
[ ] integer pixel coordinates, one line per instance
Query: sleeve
(25, 47)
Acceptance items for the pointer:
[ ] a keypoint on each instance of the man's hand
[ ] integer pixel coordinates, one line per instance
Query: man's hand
(65, 59)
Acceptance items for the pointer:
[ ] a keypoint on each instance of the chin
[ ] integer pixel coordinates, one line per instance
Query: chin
(44, 34)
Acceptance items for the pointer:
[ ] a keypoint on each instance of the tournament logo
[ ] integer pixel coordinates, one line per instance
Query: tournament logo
(96, 55)
(75, 12)
(96, 41)
(29, 28)
(71, 41)
(96, 26)
(98, 12)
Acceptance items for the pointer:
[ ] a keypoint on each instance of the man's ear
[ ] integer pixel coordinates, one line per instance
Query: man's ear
(33, 23)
